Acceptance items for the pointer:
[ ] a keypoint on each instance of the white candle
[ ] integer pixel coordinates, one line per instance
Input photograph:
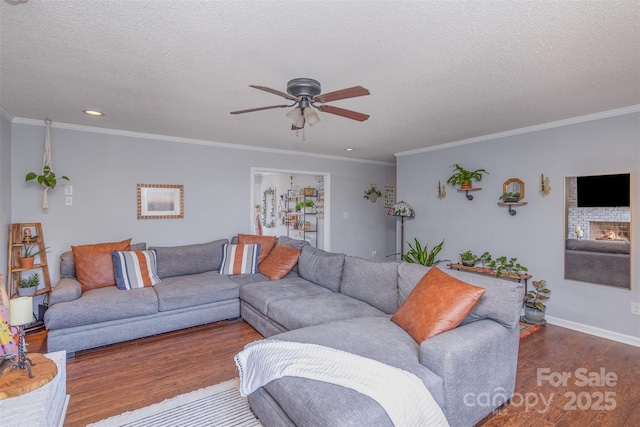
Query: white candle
(20, 311)
(577, 229)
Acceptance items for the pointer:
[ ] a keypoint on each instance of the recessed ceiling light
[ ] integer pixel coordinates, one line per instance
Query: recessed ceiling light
(349, 149)
(93, 113)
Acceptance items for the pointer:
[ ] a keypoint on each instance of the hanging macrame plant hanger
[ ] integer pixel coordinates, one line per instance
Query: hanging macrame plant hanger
(46, 161)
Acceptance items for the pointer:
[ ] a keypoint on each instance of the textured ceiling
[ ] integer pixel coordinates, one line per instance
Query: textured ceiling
(438, 72)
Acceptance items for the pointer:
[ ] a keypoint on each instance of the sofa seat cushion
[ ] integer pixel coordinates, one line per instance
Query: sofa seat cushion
(260, 295)
(294, 313)
(318, 403)
(194, 289)
(102, 305)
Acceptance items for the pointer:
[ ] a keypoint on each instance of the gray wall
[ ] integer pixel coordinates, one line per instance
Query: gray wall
(536, 234)
(5, 190)
(105, 168)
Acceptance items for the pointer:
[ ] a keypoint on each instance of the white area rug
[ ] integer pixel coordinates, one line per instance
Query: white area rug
(218, 405)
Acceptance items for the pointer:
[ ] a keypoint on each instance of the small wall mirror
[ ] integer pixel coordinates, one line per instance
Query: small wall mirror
(515, 188)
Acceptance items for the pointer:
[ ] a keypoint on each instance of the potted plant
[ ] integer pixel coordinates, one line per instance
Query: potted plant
(502, 265)
(463, 177)
(306, 205)
(421, 255)
(484, 259)
(468, 259)
(510, 197)
(29, 254)
(29, 287)
(47, 178)
(533, 307)
(372, 193)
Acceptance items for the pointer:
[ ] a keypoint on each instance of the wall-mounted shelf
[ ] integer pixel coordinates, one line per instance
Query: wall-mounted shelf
(510, 205)
(466, 191)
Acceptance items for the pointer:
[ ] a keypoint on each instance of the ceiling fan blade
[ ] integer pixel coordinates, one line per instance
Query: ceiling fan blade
(250, 110)
(276, 92)
(354, 115)
(351, 92)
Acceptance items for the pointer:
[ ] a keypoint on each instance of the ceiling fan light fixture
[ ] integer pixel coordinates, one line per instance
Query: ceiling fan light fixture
(310, 116)
(294, 116)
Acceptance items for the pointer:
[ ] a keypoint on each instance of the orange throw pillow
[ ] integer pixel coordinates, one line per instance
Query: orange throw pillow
(266, 243)
(94, 265)
(437, 304)
(279, 262)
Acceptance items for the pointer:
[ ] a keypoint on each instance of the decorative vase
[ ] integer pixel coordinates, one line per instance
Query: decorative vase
(27, 292)
(468, 263)
(26, 262)
(533, 315)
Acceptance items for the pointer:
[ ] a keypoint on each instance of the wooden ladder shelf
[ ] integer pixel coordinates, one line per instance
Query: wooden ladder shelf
(17, 243)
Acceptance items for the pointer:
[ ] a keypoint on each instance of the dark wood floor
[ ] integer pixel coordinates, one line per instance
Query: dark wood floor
(127, 376)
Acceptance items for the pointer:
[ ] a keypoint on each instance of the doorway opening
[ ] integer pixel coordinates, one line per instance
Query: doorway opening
(291, 203)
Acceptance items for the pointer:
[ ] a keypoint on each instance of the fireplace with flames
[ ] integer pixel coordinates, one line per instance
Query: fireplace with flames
(608, 230)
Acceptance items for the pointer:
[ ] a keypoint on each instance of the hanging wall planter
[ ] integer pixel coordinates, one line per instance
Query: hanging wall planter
(372, 193)
(47, 178)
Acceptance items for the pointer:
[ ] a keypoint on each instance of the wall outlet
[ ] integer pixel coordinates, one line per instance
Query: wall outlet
(68, 201)
(635, 308)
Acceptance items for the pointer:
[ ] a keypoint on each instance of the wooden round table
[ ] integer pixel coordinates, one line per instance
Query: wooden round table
(16, 383)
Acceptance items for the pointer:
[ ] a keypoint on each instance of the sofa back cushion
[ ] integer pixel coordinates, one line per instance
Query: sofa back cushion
(94, 266)
(68, 263)
(189, 259)
(375, 283)
(321, 267)
(501, 302)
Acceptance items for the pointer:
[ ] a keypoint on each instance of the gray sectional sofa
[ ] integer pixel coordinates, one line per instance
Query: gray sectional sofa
(329, 299)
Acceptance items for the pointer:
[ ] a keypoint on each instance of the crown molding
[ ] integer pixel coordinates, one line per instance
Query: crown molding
(180, 140)
(529, 129)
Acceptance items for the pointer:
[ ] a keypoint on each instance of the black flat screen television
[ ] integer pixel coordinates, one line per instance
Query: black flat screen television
(604, 191)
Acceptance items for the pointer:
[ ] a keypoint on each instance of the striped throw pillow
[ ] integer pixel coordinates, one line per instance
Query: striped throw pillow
(135, 269)
(240, 259)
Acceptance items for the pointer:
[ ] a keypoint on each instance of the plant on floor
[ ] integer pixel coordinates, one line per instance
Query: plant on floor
(419, 254)
(539, 293)
(468, 259)
(502, 265)
(463, 177)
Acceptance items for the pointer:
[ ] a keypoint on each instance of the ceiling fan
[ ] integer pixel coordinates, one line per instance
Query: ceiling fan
(306, 93)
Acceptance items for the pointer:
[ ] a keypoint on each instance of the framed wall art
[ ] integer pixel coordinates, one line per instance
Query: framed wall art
(157, 201)
(389, 196)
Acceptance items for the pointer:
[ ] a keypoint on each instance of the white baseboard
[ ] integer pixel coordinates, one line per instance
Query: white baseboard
(592, 330)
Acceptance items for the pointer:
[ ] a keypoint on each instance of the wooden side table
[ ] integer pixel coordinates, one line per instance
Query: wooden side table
(37, 401)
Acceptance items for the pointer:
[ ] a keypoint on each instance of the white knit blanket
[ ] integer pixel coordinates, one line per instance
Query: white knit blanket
(401, 394)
